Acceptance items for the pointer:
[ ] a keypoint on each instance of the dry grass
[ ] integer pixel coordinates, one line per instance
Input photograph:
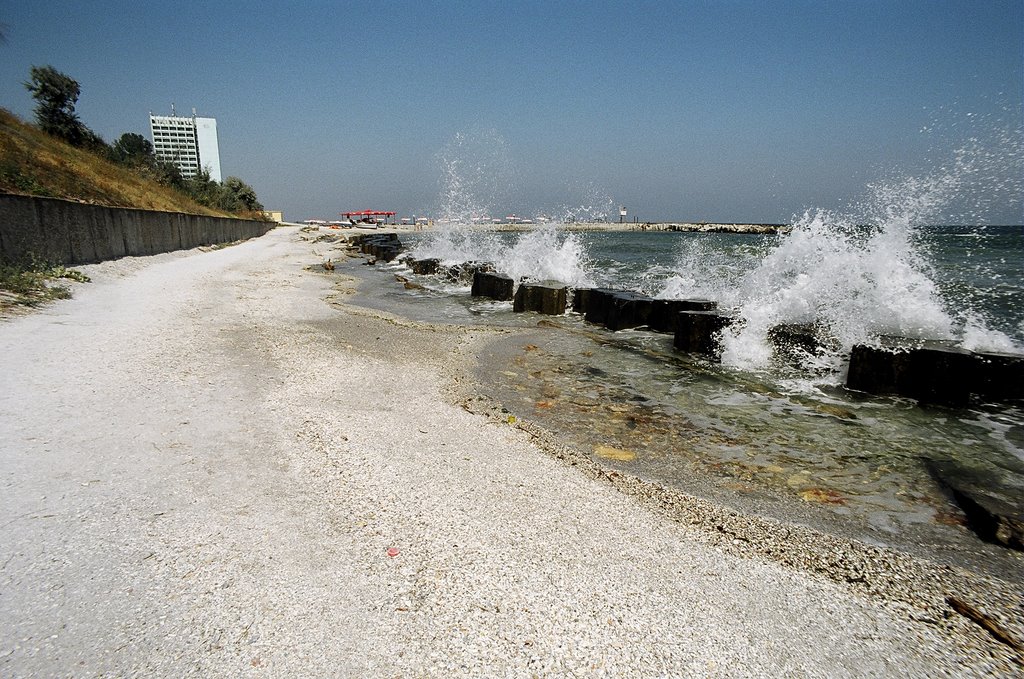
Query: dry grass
(34, 163)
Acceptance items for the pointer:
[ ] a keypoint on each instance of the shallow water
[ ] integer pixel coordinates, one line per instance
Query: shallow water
(781, 438)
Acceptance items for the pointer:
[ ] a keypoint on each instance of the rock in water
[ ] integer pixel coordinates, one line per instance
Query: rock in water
(994, 507)
(545, 297)
(494, 285)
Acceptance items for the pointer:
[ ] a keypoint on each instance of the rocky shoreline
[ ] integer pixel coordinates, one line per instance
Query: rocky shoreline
(925, 592)
(243, 473)
(973, 608)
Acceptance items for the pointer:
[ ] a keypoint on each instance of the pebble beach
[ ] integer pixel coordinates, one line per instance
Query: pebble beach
(215, 465)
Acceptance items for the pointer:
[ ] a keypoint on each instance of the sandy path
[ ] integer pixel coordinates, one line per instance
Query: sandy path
(203, 465)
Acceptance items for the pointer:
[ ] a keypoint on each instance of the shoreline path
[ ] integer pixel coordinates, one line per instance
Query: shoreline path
(204, 466)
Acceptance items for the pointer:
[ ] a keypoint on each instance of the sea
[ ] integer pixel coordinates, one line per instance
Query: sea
(765, 432)
(776, 435)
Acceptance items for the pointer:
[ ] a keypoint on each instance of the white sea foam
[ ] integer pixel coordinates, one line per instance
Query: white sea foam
(855, 275)
(547, 253)
(704, 269)
(976, 336)
(476, 175)
(853, 282)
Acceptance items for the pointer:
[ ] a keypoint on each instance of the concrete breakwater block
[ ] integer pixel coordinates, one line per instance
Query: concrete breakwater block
(360, 238)
(466, 271)
(934, 371)
(802, 336)
(614, 309)
(793, 342)
(383, 246)
(424, 267)
(994, 507)
(494, 285)
(931, 371)
(627, 310)
(586, 298)
(999, 376)
(621, 309)
(665, 312)
(385, 253)
(700, 332)
(545, 297)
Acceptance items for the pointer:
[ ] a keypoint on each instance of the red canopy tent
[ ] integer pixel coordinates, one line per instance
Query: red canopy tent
(368, 215)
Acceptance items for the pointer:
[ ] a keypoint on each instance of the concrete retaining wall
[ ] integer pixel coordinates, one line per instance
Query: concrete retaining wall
(64, 232)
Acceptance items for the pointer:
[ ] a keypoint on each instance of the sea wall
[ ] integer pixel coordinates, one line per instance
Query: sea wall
(65, 232)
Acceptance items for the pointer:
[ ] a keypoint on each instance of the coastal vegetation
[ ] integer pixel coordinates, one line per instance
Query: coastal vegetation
(61, 157)
(33, 283)
(35, 163)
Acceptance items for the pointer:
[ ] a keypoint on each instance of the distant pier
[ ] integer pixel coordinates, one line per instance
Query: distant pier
(691, 227)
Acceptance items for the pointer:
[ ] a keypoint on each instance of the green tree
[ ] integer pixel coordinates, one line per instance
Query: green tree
(56, 95)
(93, 142)
(133, 149)
(241, 195)
(169, 174)
(203, 189)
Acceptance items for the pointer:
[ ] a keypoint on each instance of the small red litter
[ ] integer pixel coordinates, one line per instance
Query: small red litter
(392, 551)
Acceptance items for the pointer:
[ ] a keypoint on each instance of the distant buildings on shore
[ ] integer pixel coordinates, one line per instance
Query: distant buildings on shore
(188, 142)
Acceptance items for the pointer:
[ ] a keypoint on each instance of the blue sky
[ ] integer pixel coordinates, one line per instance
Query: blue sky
(716, 111)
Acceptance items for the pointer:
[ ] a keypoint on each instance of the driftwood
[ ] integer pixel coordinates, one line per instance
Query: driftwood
(985, 622)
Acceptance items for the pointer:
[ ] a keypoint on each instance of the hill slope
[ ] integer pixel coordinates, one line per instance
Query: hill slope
(34, 163)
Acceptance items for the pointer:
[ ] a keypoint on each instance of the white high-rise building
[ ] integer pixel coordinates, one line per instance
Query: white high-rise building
(189, 143)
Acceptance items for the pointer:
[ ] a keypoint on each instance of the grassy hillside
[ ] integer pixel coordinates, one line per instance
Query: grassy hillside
(34, 163)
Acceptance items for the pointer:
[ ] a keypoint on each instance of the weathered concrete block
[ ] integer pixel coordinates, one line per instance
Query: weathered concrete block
(700, 332)
(545, 297)
(594, 304)
(930, 371)
(999, 376)
(994, 509)
(494, 285)
(665, 312)
(580, 298)
(385, 251)
(360, 238)
(627, 310)
(424, 267)
(382, 246)
(460, 273)
(792, 341)
(621, 309)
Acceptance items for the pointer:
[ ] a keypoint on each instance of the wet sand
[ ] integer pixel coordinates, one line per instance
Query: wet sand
(213, 465)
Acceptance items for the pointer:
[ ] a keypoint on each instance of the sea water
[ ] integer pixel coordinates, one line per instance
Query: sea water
(781, 437)
(766, 432)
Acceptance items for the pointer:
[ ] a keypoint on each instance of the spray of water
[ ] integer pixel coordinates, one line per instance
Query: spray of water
(859, 274)
(706, 269)
(589, 203)
(853, 282)
(476, 176)
(547, 253)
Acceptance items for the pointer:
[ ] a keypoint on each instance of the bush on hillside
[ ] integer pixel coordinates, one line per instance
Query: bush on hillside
(56, 95)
